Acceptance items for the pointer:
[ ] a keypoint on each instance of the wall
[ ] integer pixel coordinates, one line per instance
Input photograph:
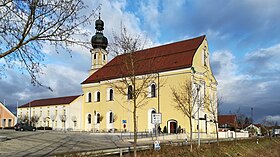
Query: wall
(7, 116)
(54, 113)
(232, 134)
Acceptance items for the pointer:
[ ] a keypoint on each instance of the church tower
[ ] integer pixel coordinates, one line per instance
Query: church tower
(99, 43)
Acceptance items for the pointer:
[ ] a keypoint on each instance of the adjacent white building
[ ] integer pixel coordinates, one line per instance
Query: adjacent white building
(59, 113)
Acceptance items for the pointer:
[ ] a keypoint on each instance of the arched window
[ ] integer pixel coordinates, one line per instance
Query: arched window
(89, 97)
(111, 117)
(129, 92)
(98, 118)
(104, 57)
(89, 118)
(111, 94)
(97, 96)
(94, 56)
(153, 90)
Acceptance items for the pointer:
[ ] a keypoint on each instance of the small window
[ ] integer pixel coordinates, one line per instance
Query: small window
(89, 118)
(153, 90)
(111, 94)
(98, 118)
(104, 57)
(111, 117)
(89, 97)
(98, 96)
(94, 56)
(129, 92)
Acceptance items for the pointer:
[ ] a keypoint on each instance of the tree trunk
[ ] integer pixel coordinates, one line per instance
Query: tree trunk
(190, 133)
(217, 133)
(135, 128)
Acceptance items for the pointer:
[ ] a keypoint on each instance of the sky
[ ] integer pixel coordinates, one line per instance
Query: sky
(243, 38)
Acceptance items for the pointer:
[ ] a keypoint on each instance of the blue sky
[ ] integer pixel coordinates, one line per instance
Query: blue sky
(243, 38)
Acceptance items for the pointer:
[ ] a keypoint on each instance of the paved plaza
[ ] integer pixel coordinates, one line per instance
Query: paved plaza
(48, 143)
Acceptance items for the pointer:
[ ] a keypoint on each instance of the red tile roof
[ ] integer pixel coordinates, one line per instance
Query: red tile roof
(51, 101)
(227, 119)
(172, 56)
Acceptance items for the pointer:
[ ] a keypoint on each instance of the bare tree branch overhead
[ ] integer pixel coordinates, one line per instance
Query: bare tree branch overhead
(25, 26)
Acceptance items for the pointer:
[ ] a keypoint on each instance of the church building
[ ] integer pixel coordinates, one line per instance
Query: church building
(104, 107)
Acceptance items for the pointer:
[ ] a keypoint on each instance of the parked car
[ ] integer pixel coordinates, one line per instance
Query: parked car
(23, 127)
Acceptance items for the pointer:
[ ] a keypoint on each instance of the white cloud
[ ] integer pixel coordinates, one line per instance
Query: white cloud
(273, 118)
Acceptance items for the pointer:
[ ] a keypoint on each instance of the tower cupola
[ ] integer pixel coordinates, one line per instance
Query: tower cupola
(99, 40)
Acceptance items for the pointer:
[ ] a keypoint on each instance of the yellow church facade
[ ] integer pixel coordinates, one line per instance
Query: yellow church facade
(102, 107)
(101, 99)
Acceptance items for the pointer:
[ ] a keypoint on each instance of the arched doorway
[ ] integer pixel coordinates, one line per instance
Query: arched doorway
(172, 126)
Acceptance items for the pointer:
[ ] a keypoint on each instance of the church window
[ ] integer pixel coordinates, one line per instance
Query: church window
(89, 118)
(111, 94)
(94, 56)
(111, 117)
(153, 90)
(89, 97)
(98, 96)
(98, 118)
(129, 92)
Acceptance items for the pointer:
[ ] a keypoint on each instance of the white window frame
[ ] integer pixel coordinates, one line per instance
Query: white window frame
(95, 96)
(108, 94)
(150, 90)
(87, 97)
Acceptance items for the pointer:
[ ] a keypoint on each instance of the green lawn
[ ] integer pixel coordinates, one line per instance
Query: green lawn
(266, 147)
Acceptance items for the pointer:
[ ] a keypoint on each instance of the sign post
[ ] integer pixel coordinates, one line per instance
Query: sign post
(156, 119)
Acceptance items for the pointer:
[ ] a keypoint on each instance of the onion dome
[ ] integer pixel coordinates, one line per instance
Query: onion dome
(99, 40)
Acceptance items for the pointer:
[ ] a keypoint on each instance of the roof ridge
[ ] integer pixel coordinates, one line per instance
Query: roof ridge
(182, 52)
(56, 97)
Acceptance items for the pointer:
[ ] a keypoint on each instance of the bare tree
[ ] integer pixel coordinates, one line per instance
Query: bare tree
(25, 119)
(185, 97)
(34, 120)
(212, 106)
(26, 26)
(131, 84)
(63, 120)
(53, 117)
